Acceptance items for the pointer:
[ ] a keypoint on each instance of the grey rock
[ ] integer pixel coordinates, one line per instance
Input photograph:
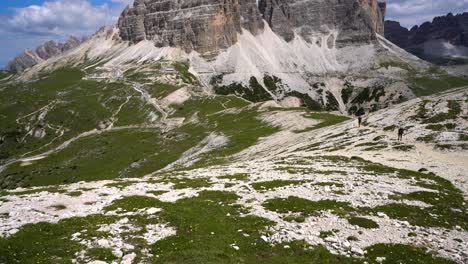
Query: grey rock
(23, 61)
(49, 49)
(209, 26)
(426, 41)
(357, 21)
(206, 26)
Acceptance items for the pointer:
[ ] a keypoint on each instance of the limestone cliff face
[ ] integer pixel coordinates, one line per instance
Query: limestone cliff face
(206, 26)
(355, 21)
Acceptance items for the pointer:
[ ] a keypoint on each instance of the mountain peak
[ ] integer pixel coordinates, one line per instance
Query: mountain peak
(211, 26)
(43, 52)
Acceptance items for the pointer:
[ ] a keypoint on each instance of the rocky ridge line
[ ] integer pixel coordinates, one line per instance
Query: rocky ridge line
(428, 40)
(49, 49)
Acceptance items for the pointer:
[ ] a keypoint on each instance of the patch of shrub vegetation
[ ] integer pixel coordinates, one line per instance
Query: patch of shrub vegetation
(453, 112)
(363, 222)
(369, 94)
(269, 185)
(272, 83)
(307, 207)
(463, 137)
(440, 127)
(428, 138)
(327, 120)
(390, 128)
(397, 253)
(425, 85)
(347, 92)
(184, 72)
(253, 93)
(306, 101)
(332, 103)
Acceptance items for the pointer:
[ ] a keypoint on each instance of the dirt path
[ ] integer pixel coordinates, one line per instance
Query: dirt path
(150, 100)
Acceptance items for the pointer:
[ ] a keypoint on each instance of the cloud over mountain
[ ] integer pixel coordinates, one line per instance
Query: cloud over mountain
(414, 12)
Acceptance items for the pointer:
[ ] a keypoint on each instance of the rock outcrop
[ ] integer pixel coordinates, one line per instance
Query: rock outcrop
(353, 21)
(209, 26)
(206, 26)
(49, 49)
(445, 36)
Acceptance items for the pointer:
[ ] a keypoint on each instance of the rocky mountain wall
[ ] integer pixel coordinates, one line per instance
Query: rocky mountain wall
(209, 26)
(355, 21)
(445, 36)
(205, 26)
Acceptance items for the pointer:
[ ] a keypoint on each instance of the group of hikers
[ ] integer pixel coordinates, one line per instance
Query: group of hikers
(401, 130)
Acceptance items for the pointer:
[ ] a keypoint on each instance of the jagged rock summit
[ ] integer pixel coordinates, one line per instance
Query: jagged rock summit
(200, 25)
(436, 41)
(210, 26)
(49, 49)
(348, 21)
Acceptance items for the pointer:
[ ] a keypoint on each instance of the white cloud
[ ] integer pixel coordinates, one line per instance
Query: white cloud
(30, 26)
(61, 17)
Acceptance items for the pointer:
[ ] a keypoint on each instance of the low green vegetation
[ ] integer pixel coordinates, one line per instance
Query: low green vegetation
(347, 92)
(397, 64)
(58, 207)
(428, 138)
(453, 112)
(404, 147)
(269, 185)
(441, 127)
(390, 128)
(336, 184)
(325, 234)
(98, 157)
(4, 74)
(396, 253)
(210, 229)
(368, 144)
(448, 207)
(369, 94)
(238, 177)
(326, 118)
(254, 92)
(294, 218)
(62, 105)
(161, 90)
(184, 73)
(51, 243)
(195, 183)
(425, 85)
(363, 222)
(307, 101)
(422, 110)
(307, 207)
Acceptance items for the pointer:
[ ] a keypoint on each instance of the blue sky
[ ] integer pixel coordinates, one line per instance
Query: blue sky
(28, 23)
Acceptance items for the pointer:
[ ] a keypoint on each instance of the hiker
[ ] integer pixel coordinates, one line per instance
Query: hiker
(359, 121)
(401, 131)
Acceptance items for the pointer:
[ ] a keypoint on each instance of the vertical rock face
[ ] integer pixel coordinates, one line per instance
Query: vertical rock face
(355, 21)
(206, 26)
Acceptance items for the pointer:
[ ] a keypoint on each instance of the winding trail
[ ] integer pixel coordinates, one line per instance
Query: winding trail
(66, 144)
(150, 100)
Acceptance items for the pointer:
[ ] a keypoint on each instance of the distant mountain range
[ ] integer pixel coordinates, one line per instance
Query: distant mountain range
(442, 41)
(49, 49)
